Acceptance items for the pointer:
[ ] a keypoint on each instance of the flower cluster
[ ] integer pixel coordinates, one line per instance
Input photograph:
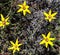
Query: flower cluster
(25, 9)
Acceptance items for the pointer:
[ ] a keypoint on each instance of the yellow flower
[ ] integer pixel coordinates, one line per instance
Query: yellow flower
(50, 16)
(47, 40)
(14, 47)
(24, 8)
(4, 21)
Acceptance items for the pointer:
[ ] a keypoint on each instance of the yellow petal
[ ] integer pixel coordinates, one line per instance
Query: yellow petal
(51, 43)
(52, 38)
(48, 35)
(19, 44)
(16, 41)
(10, 48)
(1, 23)
(54, 14)
(42, 42)
(12, 43)
(14, 51)
(20, 10)
(28, 11)
(19, 5)
(18, 49)
(46, 44)
(7, 23)
(45, 14)
(24, 12)
(46, 18)
(53, 17)
(50, 12)
(7, 19)
(24, 3)
(43, 36)
(50, 20)
(27, 6)
(2, 17)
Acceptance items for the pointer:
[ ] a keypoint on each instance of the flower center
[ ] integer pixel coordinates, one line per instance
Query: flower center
(46, 39)
(4, 22)
(49, 16)
(24, 7)
(15, 46)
